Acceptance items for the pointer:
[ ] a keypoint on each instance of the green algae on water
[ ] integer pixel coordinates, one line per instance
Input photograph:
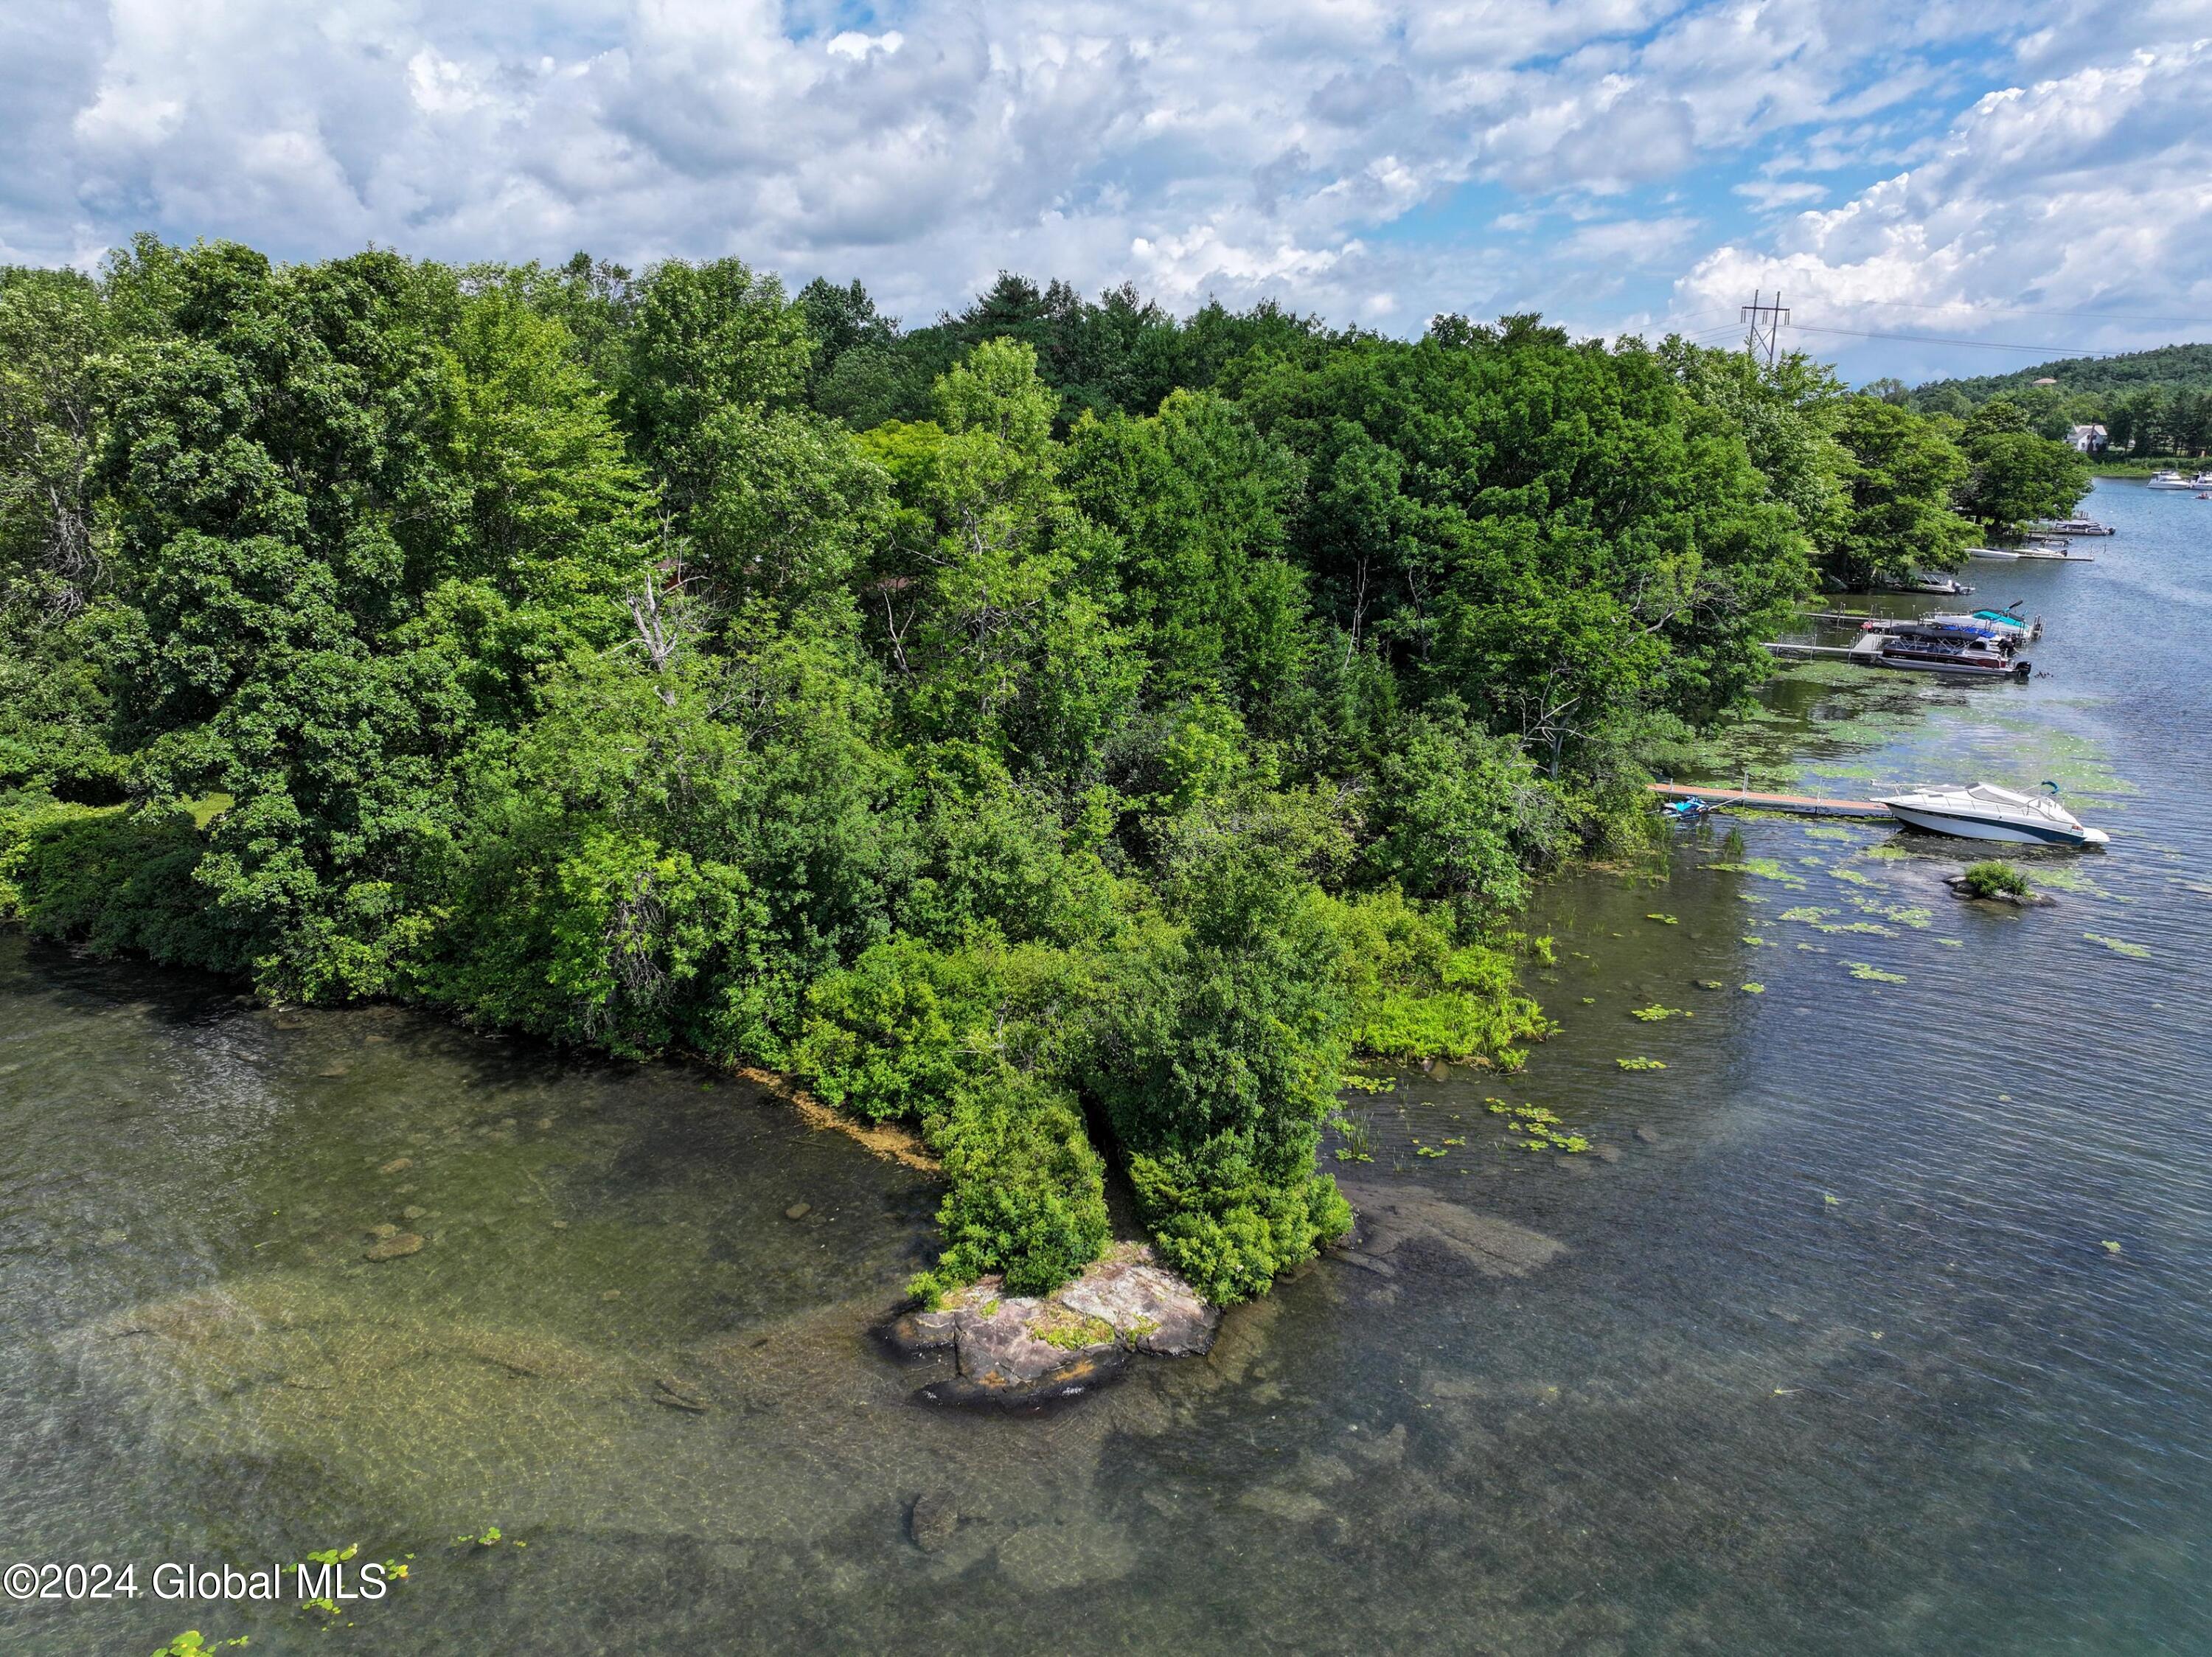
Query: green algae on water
(2118, 946)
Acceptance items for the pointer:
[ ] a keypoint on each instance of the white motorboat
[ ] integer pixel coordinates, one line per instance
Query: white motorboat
(2071, 527)
(1986, 812)
(2169, 480)
(1948, 587)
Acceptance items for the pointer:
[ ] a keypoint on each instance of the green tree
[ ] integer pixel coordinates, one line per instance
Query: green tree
(706, 338)
(1898, 474)
(2014, 474)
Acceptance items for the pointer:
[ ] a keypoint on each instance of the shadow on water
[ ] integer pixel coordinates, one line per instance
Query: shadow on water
(1872, 1321)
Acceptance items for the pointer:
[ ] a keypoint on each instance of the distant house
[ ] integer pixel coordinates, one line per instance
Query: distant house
(2045, 380)
(2090, 439)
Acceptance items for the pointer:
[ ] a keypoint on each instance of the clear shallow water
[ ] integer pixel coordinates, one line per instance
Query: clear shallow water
(1934, 1414)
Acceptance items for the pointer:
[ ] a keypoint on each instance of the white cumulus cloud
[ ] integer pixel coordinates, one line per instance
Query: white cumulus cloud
(1370, 160)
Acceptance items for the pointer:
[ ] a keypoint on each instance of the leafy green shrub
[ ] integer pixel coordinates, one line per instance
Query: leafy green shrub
(1993, 879)
(970, 1044)
(1027, 1196)
(1217, 1060)
(1413, 993)
(119, 879)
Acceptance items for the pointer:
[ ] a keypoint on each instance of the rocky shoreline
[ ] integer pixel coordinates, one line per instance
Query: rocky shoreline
(1018, 1351)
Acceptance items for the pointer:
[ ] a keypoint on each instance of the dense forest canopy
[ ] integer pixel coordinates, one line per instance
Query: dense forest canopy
(2150, 402)
(1071, 729)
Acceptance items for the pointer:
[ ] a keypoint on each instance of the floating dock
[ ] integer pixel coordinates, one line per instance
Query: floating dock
(1799, 805)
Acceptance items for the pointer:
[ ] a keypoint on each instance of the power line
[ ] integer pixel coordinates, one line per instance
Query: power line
(2019, 310)
(1974, 345)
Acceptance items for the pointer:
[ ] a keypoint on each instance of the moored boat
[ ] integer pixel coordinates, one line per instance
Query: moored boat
(1948, 587)
(1942, 647)
(2169, 480)
(2072, 527)
(1986, 812)
(2048, 552)
(2003, 627)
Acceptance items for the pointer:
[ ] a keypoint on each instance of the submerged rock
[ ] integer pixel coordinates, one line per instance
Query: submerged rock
(1390, 1219)
(799, 1210)
(394, 1247)
(398, 1165)
(1647, 1136)
(1084, 1374)
(932, 1521)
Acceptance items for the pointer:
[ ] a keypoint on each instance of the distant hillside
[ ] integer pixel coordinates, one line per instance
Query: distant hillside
(2169, 368)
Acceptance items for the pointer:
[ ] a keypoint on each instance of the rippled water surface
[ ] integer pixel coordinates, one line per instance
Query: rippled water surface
(1878, 1322)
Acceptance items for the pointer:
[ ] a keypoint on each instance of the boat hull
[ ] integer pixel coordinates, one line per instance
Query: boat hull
(1974, 828)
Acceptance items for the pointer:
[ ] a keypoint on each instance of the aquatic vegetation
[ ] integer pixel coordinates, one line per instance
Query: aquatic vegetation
(1808, 912)
(1870, 974)
(1756, 941)
(1653, 1014)
(1545, 949)
(1663, 920)
(1766, 869)
(1850, 876)
(489, 1537)
(1357, 1135)
(1639, 1064)
(1540, 1126)
(2110, 1247)
(1993, 878)
(1366, 1084)
(1870, 927)
(2118, 947)
(191, 1643)
(2067, 879)
(1427, 1150)
(1753, 988)
(1951, 943)
(1910, 915)
(1826, 831)
(1711, 983)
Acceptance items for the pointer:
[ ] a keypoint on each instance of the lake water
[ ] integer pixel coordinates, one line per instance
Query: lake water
(1889, 1332)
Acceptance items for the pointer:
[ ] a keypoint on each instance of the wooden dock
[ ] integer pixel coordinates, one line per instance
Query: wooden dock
(1799, 805)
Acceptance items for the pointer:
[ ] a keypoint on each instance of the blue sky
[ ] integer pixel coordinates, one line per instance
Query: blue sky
(2033, 174)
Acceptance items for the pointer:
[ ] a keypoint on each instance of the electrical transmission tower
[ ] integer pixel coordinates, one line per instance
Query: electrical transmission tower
(1767, 322)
